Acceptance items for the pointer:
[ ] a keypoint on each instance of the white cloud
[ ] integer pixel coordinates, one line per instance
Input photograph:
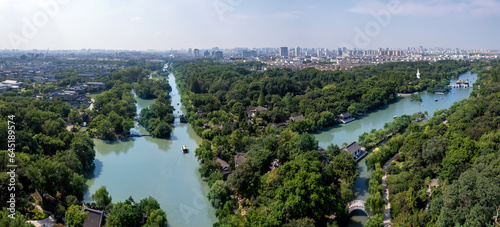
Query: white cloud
(476, 8)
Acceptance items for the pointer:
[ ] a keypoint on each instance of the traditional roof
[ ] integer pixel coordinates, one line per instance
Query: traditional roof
(345, 115)
(239, 158)
(353, 147)
(297, 118)
(94, 217)
(223, 164)
(260, 109)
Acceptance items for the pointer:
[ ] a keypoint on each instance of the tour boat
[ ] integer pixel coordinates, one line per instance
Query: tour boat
(436, 100)
(177, 103)
(184, 149)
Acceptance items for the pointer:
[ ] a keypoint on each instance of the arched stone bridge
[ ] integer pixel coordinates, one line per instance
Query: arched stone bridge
(357, 205)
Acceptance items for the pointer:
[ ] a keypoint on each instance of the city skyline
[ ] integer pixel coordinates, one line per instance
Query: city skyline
(173, 24)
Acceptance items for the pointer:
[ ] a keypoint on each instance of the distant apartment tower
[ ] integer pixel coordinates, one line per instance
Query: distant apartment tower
(297, 51)
(206, 54)
(196, 53)
(249, 53)
(284, 51)
(219, 54)
(190, 52)
(340, 52)
(391, 52)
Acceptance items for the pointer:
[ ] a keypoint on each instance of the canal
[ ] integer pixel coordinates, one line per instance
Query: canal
(350, 132)
(145, 166)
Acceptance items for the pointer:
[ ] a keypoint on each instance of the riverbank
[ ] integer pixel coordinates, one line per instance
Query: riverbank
(147, 166)
(347, 133)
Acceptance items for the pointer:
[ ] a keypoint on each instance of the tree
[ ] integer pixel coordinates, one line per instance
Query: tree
(219, 193)
(75, 117)
(162, 130)
(147, 205)
(376, 221)
(244, 179)
(18, 221)
(75, 216)
(121, 215)
(157, 217)
(48, 177)
(101, 197)
(303, 222)
(83, 146)
(375, 204)
(352, 110)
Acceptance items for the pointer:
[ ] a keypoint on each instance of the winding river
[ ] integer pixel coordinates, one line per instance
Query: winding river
(350, 132)
(144, 166)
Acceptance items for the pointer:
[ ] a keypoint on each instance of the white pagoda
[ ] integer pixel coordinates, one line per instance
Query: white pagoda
(418, 73)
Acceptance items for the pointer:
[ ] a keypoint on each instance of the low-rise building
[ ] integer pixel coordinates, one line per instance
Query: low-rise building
(297, 118)
(354, 148)
(223, 167)
(96, 85)
(12, 84)
(95, 218)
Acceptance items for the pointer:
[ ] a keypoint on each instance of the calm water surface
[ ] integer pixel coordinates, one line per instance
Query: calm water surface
(144, 166)
(350, 132)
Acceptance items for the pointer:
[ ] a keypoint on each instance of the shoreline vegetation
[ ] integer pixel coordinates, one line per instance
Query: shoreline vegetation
(250, 156)
(453, 153)
(51, 159)
(115, 110)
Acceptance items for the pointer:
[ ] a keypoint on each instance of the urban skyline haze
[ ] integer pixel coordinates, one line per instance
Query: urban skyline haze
(177, 24)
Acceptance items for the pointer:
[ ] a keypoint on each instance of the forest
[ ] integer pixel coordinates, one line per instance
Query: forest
(446, 171)
(52, 160)
(230, 92)
(284, 178)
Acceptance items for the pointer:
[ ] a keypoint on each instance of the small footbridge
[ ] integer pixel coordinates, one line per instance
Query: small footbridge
(357, 205)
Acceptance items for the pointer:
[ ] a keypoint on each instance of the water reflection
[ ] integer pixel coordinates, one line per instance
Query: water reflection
(146, 166)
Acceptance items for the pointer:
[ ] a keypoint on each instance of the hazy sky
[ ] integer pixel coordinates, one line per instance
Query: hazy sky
(166, 24)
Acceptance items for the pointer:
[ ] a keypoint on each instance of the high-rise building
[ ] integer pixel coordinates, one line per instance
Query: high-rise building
(196, 53)
(190, 52)
(297, 51)
(284, 51)
(206, 54)
(219, 54)
(246, 54)
(339, 52)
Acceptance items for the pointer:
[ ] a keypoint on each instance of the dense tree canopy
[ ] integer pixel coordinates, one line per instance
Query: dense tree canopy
(458, 148)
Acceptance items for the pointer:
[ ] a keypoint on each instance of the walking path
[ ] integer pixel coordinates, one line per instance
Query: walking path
(385, 195)
(49, 221)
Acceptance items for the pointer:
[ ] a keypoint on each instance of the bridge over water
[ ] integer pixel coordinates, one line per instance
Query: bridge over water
(357, 205)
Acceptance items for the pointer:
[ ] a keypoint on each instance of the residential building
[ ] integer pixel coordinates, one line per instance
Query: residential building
(284, 52)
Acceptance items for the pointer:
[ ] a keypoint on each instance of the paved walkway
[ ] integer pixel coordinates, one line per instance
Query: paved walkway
(47, 222)
(385, 195)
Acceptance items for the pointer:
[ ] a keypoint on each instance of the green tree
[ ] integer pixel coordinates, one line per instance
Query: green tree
(376, 221)
(75, 216)
(147, 205)
(83, 146)
(162, 130)
(303, 222)
(75, 117)
(121, 215)
(101, 197)
(375, 204)
(157, 217)
(219, 193)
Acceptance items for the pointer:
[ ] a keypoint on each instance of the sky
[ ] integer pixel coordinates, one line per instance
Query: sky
(178, 24)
